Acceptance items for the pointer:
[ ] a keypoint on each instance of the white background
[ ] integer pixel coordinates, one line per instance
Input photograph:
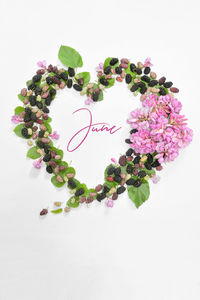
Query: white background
(96, 252)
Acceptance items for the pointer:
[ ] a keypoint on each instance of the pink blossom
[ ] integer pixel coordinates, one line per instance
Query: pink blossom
(160, 128)
(37, 163)
(155, 179)
(147, 62)
(114, 160)
(42, 64)
(100, 67)
(88, 100)
(16, 119)
(54, 135)
(109, 202)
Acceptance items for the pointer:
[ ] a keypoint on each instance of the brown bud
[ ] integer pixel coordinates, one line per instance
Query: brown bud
(174, 90)
(23, 92)
(122, 160)
(98, 188)
(44, 212)
(114, 196)
(124, 66)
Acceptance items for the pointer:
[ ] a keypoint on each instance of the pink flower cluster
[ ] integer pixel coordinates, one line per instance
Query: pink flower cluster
(160, 128)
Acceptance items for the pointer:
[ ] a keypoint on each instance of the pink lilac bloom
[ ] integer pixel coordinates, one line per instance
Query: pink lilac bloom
(100, 67)
(155, 179)
(147, 62)
(42, 64)
(109, 202)
(37, 163)
(16, 119)
(159, 128)
(54, 135)
(88, 100)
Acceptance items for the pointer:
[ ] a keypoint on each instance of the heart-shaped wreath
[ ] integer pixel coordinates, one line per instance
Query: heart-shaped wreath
(158, 130)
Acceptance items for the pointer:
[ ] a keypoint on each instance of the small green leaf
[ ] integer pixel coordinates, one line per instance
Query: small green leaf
(56, 182)
(28, 82)
(71, 170)
(48, 126)
(70, 57)
(57, 211)
(19, 110)
(73, 202)
(58, 151)
(49, 120)
(21, 98)
(85, 76)
(111, 83)
(18, 130)
(100, 96)
(32, 153)
(139, 194)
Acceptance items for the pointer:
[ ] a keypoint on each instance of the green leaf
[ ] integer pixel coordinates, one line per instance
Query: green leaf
(85, 76)
(18, 130)
(150, 172)
(19, 110)
(100, 96)
(71, 170)
(28, 82)
(49, 120)
(21, 98)
(139, 194)
(32, 153)
(56, 182)
(48, 126)
(70, 57)
(57, 211)
(73, 202)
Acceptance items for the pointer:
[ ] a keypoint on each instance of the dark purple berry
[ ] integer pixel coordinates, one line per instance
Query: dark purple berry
(113, 61)
(129, 152)
(129, 169)
(128, 78)
(71, 183)
(107, 70)
(142, 174)
(130, 181)
(69, 83)
(79, 192)
(71, 72)
(49, 169)
(147, 70)
(24, 132)
(37, 78)
(77, 87)
(104, 81)
(132, 67)
(168, 84)
(137, 183)
(121, 189)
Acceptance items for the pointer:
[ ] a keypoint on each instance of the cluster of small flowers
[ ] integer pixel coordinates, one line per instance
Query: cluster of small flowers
(159, 127)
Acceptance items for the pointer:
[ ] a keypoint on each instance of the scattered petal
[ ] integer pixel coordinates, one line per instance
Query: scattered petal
(109, 202)
(16, 119)
(37, 163)
(147, 62)
(54, 135)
